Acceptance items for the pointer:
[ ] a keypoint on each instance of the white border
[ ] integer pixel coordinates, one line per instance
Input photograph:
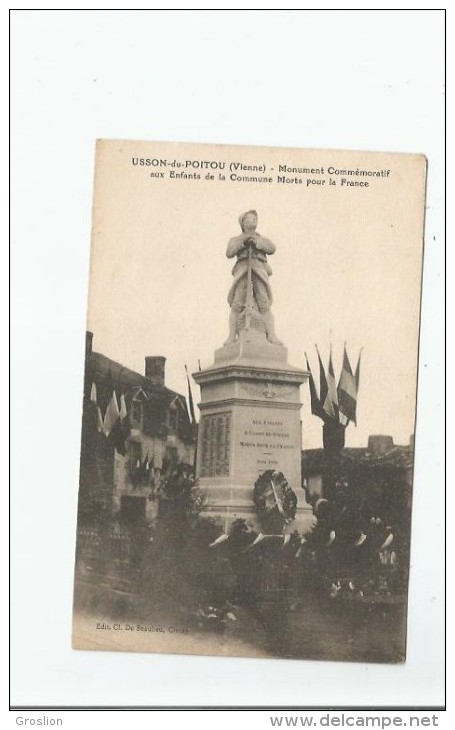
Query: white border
(358, 82)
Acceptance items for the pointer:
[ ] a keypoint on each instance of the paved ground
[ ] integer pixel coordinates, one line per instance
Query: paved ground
(336, 630)
(167, 637)
(316, 628)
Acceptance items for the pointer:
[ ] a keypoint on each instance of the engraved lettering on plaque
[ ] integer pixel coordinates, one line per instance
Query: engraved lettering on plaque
(267, 391)
(216, 444)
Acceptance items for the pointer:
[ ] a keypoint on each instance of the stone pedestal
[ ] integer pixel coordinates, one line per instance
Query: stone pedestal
(250, 422)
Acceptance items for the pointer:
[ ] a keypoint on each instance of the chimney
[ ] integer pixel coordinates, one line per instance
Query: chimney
(378, 445)
(155, 369)
(88, 345)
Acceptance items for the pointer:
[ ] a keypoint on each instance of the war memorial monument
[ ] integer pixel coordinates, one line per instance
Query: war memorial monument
(250, 399)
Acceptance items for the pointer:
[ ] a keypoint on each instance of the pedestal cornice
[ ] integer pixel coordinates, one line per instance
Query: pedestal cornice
(251, 370)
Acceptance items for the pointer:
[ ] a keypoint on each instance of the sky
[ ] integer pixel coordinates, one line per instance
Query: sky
(347, 266)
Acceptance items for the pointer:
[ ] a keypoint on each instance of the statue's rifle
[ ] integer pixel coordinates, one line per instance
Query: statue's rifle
(249, 289)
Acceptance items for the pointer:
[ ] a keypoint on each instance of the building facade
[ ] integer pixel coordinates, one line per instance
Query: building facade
(361, 498)
(123, 460)
(381, 460)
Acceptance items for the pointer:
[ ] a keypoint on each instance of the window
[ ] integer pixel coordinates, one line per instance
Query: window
(136, 411)
(173, 419)
(153, 425)
(171, 455)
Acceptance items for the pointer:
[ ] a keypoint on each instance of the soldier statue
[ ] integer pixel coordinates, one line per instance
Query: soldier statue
(251, 250)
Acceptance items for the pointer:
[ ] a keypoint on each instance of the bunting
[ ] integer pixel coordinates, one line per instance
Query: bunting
(143, 470)
(116, 426)
(149, 465)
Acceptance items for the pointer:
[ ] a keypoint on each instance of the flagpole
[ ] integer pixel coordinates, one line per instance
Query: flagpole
(357, 380)
(192, 417)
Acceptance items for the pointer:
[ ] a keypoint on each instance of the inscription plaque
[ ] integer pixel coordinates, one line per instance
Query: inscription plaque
(268, 439)
(215, 444)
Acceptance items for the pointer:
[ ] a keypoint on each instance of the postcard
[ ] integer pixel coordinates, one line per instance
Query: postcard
(249, 402)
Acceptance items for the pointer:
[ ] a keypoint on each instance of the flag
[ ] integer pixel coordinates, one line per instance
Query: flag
(123, 413)
(190, 398)
(112, 415)
(116, 423)
(219, 540)
(122, 429)
(145, 467)
(258, 539)
(124, 418)
(99, 417)
(347, 392)
(387, 542)
(331, 398)
(357, 371)
(360, 540)
(323, 387)
(316, 407)
(99, 421)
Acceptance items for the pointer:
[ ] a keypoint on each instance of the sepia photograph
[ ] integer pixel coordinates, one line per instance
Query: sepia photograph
(249, 402)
